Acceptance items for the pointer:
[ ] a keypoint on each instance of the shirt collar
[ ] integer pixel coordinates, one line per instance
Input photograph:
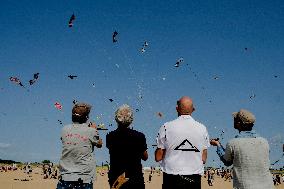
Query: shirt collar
(247, 134)
(80, 124)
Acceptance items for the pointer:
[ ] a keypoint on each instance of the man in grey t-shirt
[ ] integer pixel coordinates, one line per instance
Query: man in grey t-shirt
(77, 163)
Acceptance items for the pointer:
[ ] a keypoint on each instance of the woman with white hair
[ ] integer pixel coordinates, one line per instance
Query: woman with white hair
(126, 148)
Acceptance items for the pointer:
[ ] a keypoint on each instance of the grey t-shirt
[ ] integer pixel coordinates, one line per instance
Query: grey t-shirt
(77, 160)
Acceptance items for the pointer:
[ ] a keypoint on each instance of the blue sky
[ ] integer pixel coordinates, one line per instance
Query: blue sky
(211, 36)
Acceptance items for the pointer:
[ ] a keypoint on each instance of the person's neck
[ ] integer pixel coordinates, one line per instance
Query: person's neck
(179, 114)
(242, 130)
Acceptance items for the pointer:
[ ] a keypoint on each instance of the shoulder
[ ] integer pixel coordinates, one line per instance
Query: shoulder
(169, 123)
(66, 127)
(110, 134)
(137, 133)
(200, 125)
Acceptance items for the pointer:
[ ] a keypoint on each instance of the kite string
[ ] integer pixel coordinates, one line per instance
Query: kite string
(132, 74)
(278, 159)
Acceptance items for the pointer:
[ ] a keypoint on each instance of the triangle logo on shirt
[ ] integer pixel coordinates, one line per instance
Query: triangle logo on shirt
(186, 146)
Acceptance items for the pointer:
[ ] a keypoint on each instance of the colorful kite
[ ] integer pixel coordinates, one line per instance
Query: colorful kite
(58, 106)
(16, 81)
(101, 126)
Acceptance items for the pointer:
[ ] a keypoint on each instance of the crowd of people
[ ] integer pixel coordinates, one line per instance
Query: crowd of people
(50, 171)
(277, 179)
(210, 174)
(5, 168)
(181, 151)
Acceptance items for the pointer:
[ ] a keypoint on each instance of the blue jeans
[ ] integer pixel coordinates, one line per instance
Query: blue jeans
(73, 184)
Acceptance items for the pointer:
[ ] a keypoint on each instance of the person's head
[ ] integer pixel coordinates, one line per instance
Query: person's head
(80, 112)
(124, 116)
(243, 120)
(185, 106)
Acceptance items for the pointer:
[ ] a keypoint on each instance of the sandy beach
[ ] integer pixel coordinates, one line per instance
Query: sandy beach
(19, 180)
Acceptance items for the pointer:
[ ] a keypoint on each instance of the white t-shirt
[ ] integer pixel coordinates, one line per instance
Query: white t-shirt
(184, 139)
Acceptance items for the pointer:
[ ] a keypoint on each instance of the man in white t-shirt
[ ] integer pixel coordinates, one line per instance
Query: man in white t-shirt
(182, 149)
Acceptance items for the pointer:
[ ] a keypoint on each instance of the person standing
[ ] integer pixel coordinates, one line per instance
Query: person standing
(126, 148)
(248, 153)
(77, 164)
(182, 148)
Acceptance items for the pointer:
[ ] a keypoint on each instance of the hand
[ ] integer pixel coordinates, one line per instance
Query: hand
(93, 125)
(99, 143)
(215, 142)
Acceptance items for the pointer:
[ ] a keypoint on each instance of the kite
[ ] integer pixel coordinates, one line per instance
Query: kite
(114, 39)
(179, 61)
(16, 81)
(72, 76)
(71, 20)
(216, 77)
(75, 101)
(280, 157)
(252, 96)
(136, 110)
(101, 127)
(159, 114)
(32, 81)
(222, 135)
(60, 122)
(58, 105)
(111, 100)
(143, 49)
(146, 44)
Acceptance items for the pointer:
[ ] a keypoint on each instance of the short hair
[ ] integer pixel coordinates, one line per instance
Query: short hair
(80, 112)
(124, 116)
(244, 126)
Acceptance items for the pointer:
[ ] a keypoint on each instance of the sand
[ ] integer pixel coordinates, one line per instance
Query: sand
(36, 181)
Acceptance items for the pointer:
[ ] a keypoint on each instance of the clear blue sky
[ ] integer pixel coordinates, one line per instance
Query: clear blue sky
(211, 36)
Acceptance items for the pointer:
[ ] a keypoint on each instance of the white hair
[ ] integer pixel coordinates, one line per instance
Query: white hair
(124, 115)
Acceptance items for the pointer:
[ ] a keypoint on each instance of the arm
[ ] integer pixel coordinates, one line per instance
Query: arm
(98, 142)
(159, 154)
(145, 155)
(204, 156)
(222, 152)
(144, 148)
